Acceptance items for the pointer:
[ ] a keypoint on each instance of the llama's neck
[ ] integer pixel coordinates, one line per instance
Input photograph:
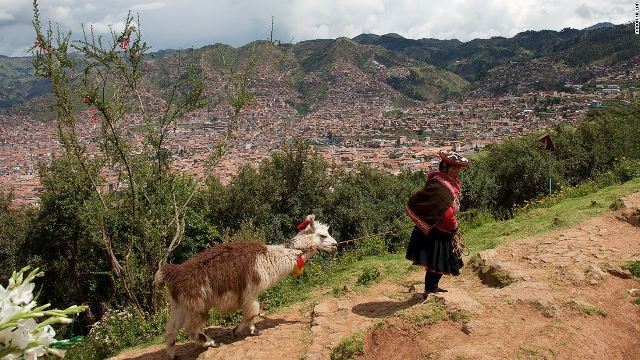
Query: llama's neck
(301, 240)
(279, 262)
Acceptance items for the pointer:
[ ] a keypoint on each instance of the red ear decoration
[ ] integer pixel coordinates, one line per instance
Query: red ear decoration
(303, 225)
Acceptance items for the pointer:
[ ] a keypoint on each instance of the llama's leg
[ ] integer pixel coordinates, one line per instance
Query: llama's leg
(194, 325)
(175, 322)
(255, 312)
(250, 314)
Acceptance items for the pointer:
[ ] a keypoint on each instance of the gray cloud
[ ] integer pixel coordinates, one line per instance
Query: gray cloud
(584, 11)
(180, 24)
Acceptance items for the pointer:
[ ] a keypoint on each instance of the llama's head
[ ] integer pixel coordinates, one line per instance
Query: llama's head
(313, 235)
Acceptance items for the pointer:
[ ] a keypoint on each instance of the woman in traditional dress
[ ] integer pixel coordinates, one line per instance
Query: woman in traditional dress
(433, 210)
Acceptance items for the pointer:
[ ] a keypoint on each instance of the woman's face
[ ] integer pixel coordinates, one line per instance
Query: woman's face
(453, 171)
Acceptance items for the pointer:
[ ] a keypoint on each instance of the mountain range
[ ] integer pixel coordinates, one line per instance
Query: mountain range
(406, 70)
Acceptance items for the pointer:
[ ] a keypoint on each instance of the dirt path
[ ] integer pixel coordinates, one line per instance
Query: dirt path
(564, 303)
(568, 301)
(305, 333)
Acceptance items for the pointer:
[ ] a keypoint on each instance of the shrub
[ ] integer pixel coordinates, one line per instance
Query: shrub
(474, 218)
(339, 291)
(626, 169)
(217, 318)
(616, 205)
(372, 246)
(119, 329)
(399, 239)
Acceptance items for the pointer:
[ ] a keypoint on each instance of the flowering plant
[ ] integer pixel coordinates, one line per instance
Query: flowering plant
(21, 336)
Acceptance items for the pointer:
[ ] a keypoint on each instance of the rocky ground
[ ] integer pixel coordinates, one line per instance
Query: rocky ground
(561, 295)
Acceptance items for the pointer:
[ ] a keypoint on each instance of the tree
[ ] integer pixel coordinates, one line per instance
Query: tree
(14, 223)
(136, 207)
(286, 187)
(509, 173)
(369, 201)
(59, 241)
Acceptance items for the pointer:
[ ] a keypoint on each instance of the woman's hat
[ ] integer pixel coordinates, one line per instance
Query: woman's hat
(453, 158)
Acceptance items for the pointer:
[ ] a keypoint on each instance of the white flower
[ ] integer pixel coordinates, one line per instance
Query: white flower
(7, 309)
(47, 335)
(5, 337)
(57, 352)
(34, 353)
(21, 336)
(22, 294)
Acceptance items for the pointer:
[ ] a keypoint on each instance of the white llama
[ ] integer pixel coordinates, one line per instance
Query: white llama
(232, 276)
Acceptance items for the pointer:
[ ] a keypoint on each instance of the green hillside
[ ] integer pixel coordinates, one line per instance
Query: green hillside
(17, 82)
(472, 60)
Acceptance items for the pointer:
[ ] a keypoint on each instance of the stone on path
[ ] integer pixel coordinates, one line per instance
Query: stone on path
(618, 271)
(552, 311)
(497, 273)
(474, 327)
(459, 299)
(595, 272)
(534, 293)
(322, 309)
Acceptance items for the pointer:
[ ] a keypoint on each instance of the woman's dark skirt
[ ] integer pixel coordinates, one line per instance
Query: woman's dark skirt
(434, 251)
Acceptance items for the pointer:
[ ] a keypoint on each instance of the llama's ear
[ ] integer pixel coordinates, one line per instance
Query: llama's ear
(303, 225)
(311, 218)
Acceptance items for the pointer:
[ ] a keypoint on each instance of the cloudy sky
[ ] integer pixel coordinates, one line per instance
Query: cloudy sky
(195, 23)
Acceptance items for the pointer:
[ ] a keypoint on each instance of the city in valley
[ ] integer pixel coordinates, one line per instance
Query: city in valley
(356, 120)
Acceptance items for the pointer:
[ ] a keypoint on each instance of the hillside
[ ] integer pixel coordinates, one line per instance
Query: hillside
(301, 75)
(389, 66)
(574, 55)
(552, 288)
(17, 83)
(473, 59)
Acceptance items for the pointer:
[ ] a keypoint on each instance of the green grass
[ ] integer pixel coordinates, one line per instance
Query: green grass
(458, 315)
(349, 347)
(590, 310)
(530, 353)
(321, 276)
(567, 213)
(428, 313)
(634, 268)
(594, 310)
(369, 275)
(432, 312)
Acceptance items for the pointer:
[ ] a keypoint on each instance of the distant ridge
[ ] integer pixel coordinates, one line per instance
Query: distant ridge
(599, 26)
(387, 66)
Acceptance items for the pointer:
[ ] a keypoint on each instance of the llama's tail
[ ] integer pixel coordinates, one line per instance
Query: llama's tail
(164, 273)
